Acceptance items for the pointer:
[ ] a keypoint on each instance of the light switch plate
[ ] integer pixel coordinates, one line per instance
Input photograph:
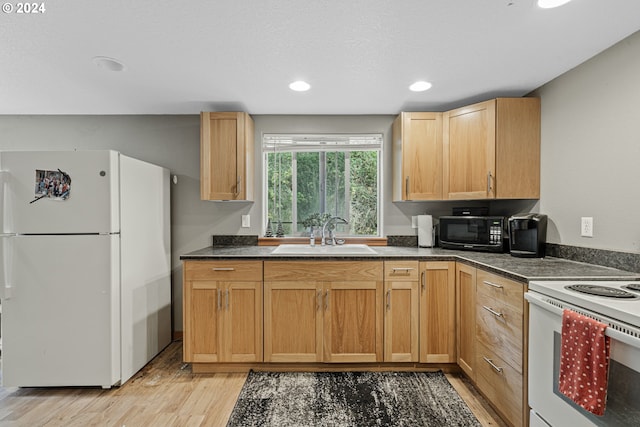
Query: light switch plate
(246, 221)
(414, 221)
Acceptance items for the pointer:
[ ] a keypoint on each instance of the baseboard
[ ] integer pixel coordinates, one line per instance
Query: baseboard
(209, 368)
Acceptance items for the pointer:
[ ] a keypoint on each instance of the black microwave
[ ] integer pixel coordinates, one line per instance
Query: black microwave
(476, 233)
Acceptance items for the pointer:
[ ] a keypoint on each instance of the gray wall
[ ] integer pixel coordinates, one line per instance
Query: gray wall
(590, 156)
(591, 150)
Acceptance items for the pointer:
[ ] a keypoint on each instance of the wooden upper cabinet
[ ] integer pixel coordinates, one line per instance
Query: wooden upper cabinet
(417, 156)
(492, 150)
(226, 156)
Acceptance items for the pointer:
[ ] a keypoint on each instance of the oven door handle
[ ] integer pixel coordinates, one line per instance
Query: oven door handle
(613, 327)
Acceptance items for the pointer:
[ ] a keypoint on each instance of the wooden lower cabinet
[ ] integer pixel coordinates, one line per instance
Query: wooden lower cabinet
(222, 311)
(492, 339)
(401, 311)
(323, 311)
(438, 312)
(466, 315)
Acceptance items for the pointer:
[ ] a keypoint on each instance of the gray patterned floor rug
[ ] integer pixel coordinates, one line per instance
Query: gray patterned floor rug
(350, 399)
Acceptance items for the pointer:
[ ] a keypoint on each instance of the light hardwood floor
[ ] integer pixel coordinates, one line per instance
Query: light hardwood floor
(163, 393)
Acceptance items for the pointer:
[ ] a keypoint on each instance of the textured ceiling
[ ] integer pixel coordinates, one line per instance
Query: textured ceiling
(359, 55)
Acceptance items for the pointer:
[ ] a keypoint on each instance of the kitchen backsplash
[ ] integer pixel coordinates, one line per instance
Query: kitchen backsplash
(621, 260)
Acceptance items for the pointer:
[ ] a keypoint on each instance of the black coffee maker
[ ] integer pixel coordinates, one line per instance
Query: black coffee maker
(528, 235)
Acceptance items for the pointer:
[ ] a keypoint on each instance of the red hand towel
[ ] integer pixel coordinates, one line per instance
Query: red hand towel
(584, 361)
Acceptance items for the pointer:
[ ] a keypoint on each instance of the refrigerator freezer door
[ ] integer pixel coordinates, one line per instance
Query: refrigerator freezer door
(57, 192)
(61, 326)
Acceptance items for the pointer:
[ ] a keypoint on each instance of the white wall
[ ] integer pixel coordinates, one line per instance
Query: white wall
(591, 150)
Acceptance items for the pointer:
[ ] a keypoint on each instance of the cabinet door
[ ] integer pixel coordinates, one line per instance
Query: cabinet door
(353, 321)
(437, 312)
(293, 321)
(203, 341)
(401, 311)
(226, 147)
(469, 151)
(418, 156)
(517, 148)
(242, 330)
(401, 321)
(466, 314)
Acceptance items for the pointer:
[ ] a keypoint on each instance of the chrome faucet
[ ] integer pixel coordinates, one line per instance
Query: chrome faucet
(332, 238)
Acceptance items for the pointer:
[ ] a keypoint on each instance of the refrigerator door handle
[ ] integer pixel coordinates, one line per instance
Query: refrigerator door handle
(4, 182)
(6, 262)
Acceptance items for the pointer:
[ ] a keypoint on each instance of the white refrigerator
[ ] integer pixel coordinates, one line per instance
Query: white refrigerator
(85, 282)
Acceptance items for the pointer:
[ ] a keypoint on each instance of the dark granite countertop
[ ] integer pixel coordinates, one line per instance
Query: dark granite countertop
(521, 269)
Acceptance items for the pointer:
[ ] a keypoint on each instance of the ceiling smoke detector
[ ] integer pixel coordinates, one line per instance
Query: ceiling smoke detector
(107, 63)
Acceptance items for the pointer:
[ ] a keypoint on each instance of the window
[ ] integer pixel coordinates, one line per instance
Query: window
(308, 176)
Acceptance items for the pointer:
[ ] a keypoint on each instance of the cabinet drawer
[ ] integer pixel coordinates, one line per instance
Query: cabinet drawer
(224, 270)
(401, 271)
(499, 327)
(329, 271)
(501, 384)
(500, 289)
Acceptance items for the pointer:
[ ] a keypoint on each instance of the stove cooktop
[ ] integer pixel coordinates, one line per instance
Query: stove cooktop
(621, 301)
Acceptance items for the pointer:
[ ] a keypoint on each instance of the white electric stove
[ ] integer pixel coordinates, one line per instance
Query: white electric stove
(617, 300)
(615, 303)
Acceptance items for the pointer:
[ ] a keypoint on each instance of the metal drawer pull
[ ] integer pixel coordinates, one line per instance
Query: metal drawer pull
(493, 365)
(494, 285)
(319, 300)
(492, 311)
(223, 269)
(219, 299)
(404, 270)
(389, 299)
(422, 280)
(227, 299)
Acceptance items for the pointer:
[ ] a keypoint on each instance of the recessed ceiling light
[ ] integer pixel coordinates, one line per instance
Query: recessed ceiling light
(420, 86)
(548, 4)
(300, 86)
(108, 63)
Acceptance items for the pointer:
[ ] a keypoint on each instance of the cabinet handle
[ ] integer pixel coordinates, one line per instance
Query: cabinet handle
(389, 299)
(219, 299)
(223, 269)
(326, 301)
(498, 369)
(319, 300)
(488, 182)
(423, 280)
(406, 188)
(227, 299)
(238, 184)
(495, 313)
(494, 285)
(404, 270)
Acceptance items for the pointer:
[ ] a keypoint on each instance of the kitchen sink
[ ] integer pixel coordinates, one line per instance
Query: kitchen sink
(349, 249)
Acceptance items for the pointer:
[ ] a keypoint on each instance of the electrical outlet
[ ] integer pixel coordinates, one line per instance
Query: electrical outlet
(586, 229)
(414, 221)
(246, 221)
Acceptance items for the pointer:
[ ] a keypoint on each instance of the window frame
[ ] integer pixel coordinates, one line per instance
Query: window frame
(379, 149)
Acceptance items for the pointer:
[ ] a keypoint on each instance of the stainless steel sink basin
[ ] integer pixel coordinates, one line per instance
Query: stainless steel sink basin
(349, 249)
